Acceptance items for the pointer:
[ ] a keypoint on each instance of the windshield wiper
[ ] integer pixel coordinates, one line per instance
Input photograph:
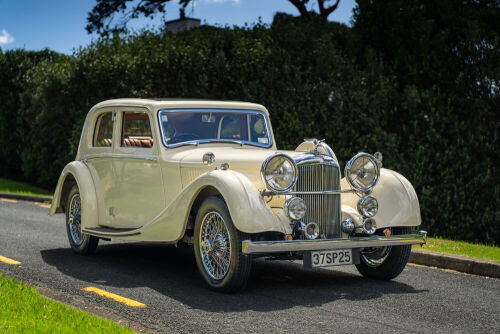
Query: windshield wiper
(192, 142)
(224, 141)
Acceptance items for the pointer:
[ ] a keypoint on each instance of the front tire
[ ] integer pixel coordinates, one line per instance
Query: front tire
(217, 248)
(80, 243)
(385, 263)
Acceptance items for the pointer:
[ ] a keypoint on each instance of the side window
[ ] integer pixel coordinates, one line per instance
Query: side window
(258, 131)
(136, 130)
(104, 130)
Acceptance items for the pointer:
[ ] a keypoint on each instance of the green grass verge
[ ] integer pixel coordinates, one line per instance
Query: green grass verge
(24, 310)
(9, 186)
(477, 251)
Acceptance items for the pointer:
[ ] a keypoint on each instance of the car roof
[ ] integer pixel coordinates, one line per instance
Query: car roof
(165, 103)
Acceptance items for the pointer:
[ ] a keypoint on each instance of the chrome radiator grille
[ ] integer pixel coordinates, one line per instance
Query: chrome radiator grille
(322, 209)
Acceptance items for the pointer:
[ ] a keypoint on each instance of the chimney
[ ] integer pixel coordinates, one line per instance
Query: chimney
(182, 23)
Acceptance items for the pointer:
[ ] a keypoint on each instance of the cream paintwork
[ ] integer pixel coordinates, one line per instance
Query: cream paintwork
(248, 209)
(183, 176)
(397, 200)
(87, 192)
(138, 191)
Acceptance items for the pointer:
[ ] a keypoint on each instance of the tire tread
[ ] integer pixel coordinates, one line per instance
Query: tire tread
(393, 265)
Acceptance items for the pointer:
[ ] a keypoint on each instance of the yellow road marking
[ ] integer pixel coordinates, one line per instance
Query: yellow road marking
(8, 200)
(8, 261)
(47, 206)
(120, 299)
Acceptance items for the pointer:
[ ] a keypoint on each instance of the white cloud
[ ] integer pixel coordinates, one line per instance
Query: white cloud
(5, 37)
(209, 2)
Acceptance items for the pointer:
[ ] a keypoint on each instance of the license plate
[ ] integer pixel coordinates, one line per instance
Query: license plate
(337, 257)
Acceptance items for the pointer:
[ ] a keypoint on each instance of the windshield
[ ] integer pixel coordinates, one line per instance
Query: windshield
(212, 125)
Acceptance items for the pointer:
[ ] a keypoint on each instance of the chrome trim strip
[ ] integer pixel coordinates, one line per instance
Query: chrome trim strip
(280, 246)
(138, 157)
(111, 233)
(215, 140)
(323, 192)
(120, 156)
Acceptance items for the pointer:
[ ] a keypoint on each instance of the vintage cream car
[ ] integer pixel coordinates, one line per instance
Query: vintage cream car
(208, 173)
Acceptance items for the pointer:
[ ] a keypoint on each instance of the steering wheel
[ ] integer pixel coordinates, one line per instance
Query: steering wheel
(185, 136)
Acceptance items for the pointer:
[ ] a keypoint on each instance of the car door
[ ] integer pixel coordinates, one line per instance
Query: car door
(99, 161)
(138, 186)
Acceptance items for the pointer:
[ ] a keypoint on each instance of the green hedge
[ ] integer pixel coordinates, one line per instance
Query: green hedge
(316, 82)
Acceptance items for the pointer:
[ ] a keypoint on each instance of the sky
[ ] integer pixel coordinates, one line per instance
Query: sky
(60, 24)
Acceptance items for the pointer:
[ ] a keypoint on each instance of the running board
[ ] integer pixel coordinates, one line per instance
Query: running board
(111, 232)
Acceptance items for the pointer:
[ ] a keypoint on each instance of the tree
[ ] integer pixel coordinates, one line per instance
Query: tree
(100, 19)
(324, 11)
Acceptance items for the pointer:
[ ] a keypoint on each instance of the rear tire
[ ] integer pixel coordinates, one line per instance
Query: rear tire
(217, 248)
(80, 243)
(392, 261)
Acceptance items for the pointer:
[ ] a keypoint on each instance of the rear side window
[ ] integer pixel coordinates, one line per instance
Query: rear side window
(104, 130)
(136, 130)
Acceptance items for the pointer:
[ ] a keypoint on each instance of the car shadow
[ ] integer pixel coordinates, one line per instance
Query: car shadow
(275, 285)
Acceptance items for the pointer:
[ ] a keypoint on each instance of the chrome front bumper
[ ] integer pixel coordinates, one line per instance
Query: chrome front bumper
(280, 246)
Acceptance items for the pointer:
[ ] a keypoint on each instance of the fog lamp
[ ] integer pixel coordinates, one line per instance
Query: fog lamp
(368, 206)
(295, 208)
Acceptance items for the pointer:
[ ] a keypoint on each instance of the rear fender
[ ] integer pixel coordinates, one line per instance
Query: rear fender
(78, 172)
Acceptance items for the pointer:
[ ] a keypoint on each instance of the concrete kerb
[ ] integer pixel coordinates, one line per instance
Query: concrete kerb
(458, 263)
(29, 198)
(431, 259)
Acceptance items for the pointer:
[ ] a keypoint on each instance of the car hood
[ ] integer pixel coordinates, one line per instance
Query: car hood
(246, 160)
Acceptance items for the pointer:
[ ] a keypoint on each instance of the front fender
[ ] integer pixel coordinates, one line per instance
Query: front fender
(249, 211)
(397, 200)
(78, 171)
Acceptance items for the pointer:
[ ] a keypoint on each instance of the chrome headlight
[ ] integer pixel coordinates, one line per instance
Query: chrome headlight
(362, 172)
(295, 208)
(367, 206)
(279, 172)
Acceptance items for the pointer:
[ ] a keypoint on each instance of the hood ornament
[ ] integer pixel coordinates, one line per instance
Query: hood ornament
(316, 143)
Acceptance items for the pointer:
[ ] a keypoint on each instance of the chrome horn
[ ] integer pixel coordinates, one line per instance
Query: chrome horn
(311, 230)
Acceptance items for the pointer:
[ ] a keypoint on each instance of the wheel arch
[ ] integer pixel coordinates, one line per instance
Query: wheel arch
(68, 183)
(77, 172)
(204, 193)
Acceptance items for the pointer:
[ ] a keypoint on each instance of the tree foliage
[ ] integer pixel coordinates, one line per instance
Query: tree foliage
(100, 19)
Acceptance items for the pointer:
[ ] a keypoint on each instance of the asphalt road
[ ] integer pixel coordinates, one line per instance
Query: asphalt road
(282, 296)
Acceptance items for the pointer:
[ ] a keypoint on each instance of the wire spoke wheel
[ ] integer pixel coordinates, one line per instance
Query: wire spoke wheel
(215, 245)
(74, 220)
(375, 256)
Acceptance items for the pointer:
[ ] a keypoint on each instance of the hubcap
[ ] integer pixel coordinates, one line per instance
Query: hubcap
(215, 245)
(375, 256)
(74, 220)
